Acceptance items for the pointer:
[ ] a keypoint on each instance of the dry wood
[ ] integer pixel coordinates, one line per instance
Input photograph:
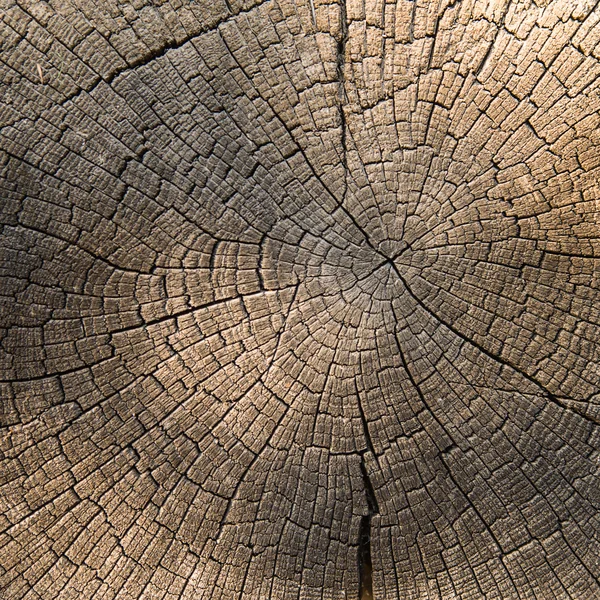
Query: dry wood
(300, 299)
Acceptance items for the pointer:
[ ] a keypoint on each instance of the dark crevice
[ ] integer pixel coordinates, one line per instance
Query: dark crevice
(341, 66)
(211, 261)
(365, 564)
(341, 55)
(259, 266)
(56, 235)
(368, 440)
(364, 560)
(370, 492)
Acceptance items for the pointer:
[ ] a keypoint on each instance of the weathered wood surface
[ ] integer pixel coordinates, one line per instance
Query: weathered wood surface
(291, 288)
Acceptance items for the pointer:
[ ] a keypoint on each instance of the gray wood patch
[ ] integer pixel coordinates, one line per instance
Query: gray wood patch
(299, 299)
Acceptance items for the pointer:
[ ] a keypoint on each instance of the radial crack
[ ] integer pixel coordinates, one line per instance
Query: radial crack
(365, 565)
(341, 76)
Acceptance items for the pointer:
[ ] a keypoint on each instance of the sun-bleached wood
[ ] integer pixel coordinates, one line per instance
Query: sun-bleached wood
(299, 299)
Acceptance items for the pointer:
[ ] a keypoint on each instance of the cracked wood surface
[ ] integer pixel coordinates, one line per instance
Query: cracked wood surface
(299, 299)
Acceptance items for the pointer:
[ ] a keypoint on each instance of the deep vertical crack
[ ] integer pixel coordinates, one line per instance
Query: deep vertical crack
(365, 565)
(341, 77)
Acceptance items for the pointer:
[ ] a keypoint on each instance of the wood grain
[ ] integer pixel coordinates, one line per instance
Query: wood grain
(300, 299)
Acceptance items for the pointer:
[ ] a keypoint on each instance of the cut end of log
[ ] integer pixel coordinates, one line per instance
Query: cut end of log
(299, 300)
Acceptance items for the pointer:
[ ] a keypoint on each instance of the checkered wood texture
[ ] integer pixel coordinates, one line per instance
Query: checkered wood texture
(299, 299)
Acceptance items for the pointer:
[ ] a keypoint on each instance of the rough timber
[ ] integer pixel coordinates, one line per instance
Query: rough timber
(299, 299)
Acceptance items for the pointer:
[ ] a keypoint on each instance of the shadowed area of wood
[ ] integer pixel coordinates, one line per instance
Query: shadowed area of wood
(299, 299)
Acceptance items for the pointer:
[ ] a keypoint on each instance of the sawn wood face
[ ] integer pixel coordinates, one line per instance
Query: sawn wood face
(299, 300)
